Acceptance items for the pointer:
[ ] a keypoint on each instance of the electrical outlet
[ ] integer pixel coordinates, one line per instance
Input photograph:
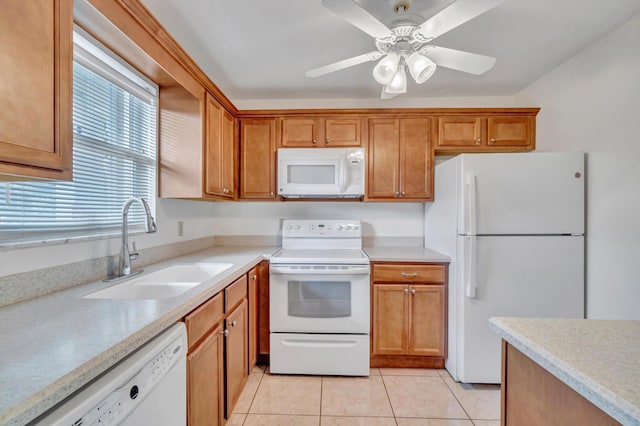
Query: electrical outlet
(180, 228)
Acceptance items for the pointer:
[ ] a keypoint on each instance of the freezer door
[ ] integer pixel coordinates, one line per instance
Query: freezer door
(512, 276)
(521, 194)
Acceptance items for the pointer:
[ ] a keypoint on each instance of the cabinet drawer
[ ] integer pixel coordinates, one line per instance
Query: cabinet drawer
(204, 318)
(235, 292)
(409, 273)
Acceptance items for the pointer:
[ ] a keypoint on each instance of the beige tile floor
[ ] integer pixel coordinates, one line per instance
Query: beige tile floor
(389, 396)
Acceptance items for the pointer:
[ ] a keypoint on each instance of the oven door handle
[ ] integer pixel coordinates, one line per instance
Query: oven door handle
(289, 270)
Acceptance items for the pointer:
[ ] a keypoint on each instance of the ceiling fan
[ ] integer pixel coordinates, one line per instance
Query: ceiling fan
(406, 43)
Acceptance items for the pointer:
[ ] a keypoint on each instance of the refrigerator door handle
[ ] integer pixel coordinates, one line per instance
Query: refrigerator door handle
(470, 279)
(471, 204)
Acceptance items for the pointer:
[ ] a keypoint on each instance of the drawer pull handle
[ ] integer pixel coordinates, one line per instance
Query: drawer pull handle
(404, 274)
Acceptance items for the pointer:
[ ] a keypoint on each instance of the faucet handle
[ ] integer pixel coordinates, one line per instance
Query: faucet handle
(134, 254)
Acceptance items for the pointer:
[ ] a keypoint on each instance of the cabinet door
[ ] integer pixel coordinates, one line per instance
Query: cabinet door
(213, 147)
(509, 131)
(236, 354)
(219, 157)
(35, 88)
(426, 320)
(254, 276)
(228, 165)
(416, 159)
(263, 309)
(459, 132)
(382, 172)
(339, 132)
(300, 133)
(205, 392)
(390, 311)
(258, 159)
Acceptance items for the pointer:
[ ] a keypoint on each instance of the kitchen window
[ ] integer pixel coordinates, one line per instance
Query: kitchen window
(114, 156)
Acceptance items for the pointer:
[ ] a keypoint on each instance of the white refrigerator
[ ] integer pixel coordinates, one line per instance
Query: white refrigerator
(513, 225)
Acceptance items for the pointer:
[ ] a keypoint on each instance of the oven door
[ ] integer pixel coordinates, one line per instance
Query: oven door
(319, 299)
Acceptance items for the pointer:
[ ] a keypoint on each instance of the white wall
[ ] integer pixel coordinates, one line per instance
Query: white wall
(198, 220)
(379, 219)
(591, 103)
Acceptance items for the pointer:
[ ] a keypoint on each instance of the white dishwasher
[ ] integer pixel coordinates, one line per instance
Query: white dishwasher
(149, 387)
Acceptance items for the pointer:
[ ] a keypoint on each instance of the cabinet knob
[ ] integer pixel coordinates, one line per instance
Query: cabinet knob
(397, 194)
(478, 140)
(271, 193)
(413, 291)
(254, 277)
(234, 323)
(328, 141)
(404, 193)
(406, 291)
(314, 141)
(492, 140)
(225, 332)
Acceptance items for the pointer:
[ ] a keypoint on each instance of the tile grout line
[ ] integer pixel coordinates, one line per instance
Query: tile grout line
(395, 419)
(456, 397)
(254, 396)
(320, 408)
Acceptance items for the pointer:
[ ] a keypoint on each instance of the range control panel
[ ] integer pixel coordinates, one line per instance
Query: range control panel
(321, 228)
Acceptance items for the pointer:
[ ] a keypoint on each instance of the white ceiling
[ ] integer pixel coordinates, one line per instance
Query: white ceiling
(260, 49)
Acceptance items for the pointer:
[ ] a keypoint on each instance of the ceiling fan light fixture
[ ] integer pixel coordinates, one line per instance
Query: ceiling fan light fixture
(420, 67)
(399, 82)
(387, 68)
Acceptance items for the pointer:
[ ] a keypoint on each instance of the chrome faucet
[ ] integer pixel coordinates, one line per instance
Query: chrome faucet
(124, 265)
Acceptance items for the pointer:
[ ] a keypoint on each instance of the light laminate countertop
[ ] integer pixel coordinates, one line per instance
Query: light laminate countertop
(599, 359)
(53, 345)
(405, 254)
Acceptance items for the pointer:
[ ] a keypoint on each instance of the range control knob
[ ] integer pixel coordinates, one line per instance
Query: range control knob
(356, 227)
(296, 227)
(289, 227)
(339, 227)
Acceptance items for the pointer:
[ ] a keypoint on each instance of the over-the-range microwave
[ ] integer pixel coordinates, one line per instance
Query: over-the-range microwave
(321, 172)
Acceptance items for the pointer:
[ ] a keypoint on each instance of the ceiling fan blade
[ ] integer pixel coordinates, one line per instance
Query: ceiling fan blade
(455, 15)
(367, 57)
(459, 60)
(357, 16)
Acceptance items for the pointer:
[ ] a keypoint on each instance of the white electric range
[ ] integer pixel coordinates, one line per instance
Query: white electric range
(319, 300)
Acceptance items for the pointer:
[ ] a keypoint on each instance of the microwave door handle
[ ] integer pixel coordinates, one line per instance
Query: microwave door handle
(343, 175)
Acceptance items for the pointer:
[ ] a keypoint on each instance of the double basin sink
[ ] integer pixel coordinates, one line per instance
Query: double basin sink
(164, 283)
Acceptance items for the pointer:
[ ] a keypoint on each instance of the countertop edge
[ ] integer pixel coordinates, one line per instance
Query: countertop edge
(616, 407)
(45, 398)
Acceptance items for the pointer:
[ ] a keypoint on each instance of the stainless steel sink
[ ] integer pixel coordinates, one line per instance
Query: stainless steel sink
(169, 282)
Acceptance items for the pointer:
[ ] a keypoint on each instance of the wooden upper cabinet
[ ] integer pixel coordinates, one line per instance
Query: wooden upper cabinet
(470, 133)
(219, 150)
(509, 131)
(313, 132)
(258, 158)
(36, 53)
(400, 165)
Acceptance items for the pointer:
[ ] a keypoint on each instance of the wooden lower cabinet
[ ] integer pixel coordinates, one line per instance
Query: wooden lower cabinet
(218, 357)
(254, 277)
(205, 380)
(236, 355)
(408, 325)
(534, 397)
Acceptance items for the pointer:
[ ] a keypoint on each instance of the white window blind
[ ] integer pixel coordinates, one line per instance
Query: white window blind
(114, 157)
